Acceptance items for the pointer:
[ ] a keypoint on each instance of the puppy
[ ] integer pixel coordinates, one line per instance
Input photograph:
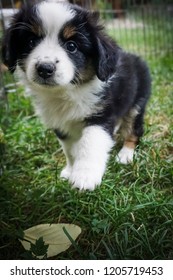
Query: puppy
(82, 84)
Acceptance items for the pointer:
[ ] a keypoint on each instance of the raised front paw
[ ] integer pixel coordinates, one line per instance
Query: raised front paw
(85, 178)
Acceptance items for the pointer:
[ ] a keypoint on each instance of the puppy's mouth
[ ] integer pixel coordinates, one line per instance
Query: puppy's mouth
(44, 82)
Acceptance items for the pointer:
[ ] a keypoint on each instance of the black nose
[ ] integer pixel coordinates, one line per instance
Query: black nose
(45, 70)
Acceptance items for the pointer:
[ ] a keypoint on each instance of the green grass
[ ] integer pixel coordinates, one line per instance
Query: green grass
(130, 216)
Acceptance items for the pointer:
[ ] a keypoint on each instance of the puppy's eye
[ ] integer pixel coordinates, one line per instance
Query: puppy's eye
(71, 46)
(33, 42)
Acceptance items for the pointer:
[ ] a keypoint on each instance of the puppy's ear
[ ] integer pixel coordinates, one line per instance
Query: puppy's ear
(107, 53)
(9, 55)
(105, 50)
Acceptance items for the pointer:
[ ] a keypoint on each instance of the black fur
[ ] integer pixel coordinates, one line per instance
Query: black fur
(60, 135)
(15, 43)
(129, 88)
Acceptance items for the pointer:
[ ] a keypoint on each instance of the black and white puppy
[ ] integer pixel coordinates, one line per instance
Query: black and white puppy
(83, 85)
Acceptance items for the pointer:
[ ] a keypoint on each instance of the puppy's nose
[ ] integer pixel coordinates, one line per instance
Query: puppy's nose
(45, 70)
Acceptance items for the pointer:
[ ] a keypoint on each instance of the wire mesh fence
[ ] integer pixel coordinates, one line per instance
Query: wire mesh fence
(141, 26)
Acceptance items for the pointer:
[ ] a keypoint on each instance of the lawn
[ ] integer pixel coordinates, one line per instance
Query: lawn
(130, 216)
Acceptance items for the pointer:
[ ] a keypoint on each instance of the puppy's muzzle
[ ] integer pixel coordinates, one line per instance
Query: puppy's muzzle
(45, 70)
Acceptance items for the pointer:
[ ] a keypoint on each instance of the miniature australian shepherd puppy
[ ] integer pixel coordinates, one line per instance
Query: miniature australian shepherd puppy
(82, 84)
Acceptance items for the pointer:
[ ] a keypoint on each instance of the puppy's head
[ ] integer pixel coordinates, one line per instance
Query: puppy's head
(56, 44)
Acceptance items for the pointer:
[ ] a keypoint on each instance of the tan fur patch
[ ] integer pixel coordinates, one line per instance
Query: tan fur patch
(127, 122)
(36, 29)
(131, 141)
(69, 31)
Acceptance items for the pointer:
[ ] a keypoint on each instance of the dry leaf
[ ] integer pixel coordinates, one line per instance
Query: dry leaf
(53, 235)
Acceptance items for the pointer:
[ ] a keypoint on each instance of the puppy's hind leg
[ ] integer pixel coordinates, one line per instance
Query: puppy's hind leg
(132, 137)
(126, 153)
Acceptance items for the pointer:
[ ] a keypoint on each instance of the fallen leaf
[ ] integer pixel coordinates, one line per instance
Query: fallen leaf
(53, 235)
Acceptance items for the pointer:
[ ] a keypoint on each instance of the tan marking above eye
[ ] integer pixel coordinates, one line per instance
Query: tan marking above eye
(36, 29)
(69, 31)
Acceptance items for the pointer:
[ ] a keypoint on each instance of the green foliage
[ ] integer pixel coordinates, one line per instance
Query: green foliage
(37, 251)
(39, 248)
(103, 7)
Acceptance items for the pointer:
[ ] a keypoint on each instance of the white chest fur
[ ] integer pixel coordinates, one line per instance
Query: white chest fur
(64, 108)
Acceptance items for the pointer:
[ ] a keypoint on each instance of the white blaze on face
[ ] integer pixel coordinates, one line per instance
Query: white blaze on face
(53, 17)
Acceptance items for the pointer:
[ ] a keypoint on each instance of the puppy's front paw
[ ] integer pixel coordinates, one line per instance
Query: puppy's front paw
(85, 178)
(125, 155)
(65, 173)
